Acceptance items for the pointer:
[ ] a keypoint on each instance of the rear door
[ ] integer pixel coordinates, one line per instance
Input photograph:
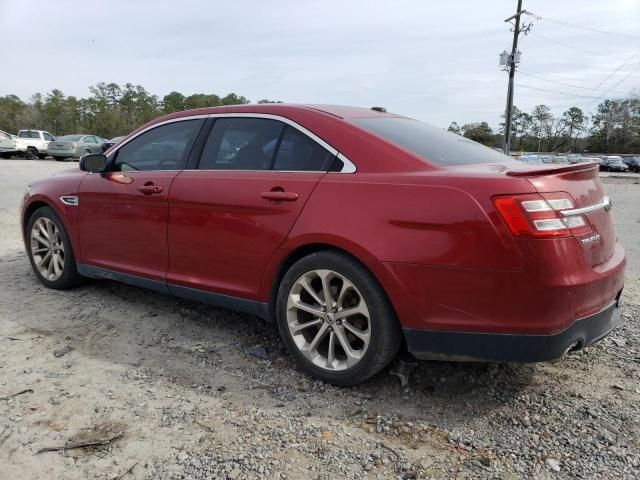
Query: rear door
(229, 214)
(123, 213)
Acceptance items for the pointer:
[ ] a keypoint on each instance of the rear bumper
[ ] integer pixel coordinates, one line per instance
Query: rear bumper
(496, 347)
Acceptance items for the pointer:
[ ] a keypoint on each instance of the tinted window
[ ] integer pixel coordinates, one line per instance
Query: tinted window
(28, 134)
(240, 144)
(70, 138)
(430, 143)
(297, 152)
(161, 148)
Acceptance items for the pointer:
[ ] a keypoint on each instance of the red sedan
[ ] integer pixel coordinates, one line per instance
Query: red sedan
(358, 231)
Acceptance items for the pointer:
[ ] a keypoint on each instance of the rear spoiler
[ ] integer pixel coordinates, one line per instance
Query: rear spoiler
(532, 171)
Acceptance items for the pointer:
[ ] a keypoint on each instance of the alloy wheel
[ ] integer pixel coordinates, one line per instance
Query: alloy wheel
(328, 320)
(47, 248)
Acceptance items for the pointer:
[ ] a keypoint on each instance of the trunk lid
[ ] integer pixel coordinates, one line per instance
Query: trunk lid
(582, 183)
(62, 145)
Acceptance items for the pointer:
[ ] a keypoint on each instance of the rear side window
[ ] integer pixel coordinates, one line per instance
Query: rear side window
(28, 134)
(48, 137)
(241, 144)
(297, 152)
(162, 148)
(433, 144)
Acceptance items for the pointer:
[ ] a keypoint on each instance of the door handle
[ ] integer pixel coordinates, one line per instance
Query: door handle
(279, 196)
(149, 188)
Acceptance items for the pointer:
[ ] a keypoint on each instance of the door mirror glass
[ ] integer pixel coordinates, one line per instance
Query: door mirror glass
(93, 162)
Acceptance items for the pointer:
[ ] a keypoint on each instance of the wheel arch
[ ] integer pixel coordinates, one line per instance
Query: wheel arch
(292, 256)
(67, 215)
(29, 210)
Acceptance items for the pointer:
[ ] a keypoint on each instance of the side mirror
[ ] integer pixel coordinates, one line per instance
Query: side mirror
(93, 162)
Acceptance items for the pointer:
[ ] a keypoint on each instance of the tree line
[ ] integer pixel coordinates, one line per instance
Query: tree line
(613, 128)
(109, 111)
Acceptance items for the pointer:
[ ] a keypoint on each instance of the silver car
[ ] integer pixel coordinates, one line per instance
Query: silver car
(75, 146)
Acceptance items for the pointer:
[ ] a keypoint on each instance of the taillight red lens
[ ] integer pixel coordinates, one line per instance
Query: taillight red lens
(539, 215)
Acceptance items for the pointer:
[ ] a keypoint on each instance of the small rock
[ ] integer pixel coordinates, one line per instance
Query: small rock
(553, 464)
(259, 352)
(62, 351)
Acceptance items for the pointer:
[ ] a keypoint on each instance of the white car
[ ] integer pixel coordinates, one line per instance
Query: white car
(7, 144)
(33, 143)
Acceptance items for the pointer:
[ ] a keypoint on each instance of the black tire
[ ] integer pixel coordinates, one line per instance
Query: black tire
(5, 155)
(385, 336)
(42, 156)
(70, 276)
(32, 153)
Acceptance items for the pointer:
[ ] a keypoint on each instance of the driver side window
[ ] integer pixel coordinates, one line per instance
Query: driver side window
(161, 148)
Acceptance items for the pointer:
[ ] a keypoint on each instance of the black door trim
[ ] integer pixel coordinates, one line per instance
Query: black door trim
(244, 305)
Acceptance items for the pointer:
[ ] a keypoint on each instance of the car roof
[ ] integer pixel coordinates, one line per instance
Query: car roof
(285, 109)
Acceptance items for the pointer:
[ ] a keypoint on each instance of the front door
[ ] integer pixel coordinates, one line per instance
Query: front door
(123, 213)
(228, 216)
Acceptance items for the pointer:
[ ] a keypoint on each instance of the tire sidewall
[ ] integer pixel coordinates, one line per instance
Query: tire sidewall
(69, 272)
(371, 292)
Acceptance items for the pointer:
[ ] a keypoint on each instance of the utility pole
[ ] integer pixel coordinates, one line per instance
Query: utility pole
(510, 61)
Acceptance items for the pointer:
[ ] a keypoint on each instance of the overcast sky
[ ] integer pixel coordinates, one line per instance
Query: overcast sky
(436, 61)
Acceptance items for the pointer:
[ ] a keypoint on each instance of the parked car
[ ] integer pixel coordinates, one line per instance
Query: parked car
(7, 145)
(633, 162)
(110, 143)
(613, 163)
(33, 144)
(74, 146)
(357, 231)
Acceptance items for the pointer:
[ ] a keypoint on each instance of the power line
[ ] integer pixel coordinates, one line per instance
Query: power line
(524, 72)
(574, 48)
(573, 25)
(618, 69)
(560, 93)
(622, 79)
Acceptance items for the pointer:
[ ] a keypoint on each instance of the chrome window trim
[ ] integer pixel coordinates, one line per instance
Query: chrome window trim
(348, 165)
(606, 204)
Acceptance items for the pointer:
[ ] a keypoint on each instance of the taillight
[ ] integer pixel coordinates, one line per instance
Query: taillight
(538, 215)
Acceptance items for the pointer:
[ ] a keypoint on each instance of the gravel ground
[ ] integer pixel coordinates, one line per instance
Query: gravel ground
(180, 386)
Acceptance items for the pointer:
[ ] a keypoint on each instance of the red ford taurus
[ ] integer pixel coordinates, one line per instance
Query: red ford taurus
(358, 231)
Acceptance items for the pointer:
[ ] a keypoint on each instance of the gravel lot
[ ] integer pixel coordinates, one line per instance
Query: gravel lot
(180, 386)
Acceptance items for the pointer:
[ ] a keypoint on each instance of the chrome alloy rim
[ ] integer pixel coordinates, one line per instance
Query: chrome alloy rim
(328, 320)
(47, 248)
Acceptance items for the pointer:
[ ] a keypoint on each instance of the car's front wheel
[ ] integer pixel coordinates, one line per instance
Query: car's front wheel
(335, 318)
(50, 251)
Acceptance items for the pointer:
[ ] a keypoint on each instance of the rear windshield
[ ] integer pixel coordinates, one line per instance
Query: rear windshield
(69, 138)
(28, 134)
(430, 143)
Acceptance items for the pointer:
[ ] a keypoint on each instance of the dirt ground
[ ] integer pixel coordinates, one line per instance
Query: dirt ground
(174, 389)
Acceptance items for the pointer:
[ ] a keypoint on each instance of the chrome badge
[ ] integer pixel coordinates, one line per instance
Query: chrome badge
(591, 239)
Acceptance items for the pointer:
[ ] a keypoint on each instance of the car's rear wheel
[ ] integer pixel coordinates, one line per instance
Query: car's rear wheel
(50, 251)
(32, 153)
(335, 318)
